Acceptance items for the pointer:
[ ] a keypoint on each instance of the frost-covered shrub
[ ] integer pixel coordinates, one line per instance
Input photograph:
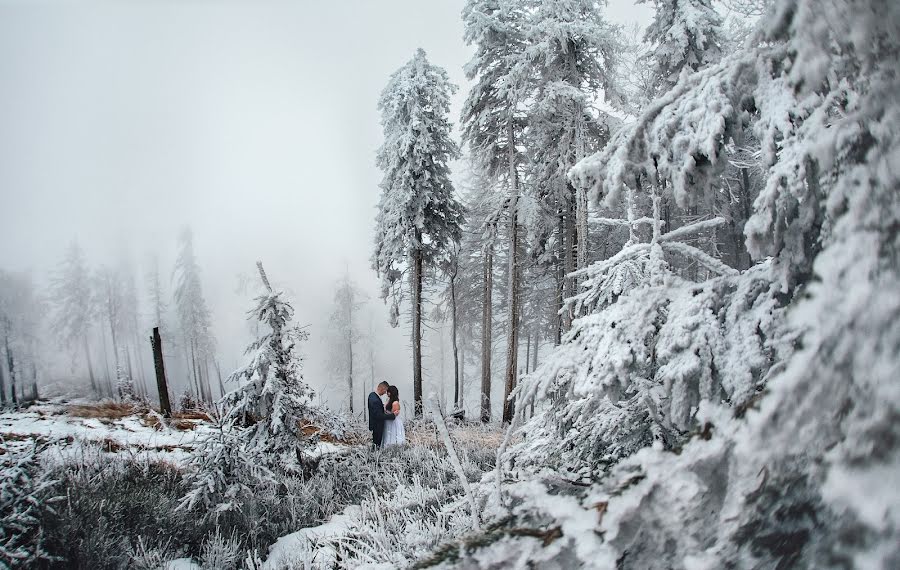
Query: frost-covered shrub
(636, 372)
(109, 504)
(224, 474)
(220, 551)
(273, 403)
(24, 495)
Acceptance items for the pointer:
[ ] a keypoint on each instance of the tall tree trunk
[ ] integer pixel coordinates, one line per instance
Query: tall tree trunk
(527, 351)
(11, 366)
(512, 345)
(2, 384)
(486, 325)
(219, 374)
(569, 264)
(417, 326)
(195, 387)
(140, 362)
(560, 280)
(109, 387)
(456, 388)
(208, 383)
(462, 376)
(87, 357)
(350, 344)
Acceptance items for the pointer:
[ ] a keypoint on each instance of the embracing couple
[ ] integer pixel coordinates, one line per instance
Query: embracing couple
(385, 421)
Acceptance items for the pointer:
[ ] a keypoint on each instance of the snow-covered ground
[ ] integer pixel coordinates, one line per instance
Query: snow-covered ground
(137, 434)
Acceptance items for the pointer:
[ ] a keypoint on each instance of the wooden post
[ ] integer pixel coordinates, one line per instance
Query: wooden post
(164, 405)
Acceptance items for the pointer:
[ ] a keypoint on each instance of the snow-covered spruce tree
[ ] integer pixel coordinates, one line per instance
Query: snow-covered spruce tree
(686, 35)
(193, 316)
(573, 51)
(72, 302)
(418, 214)
(274, 403)
(492, 125)
(22, 312)
(803, 475)
(344, 332)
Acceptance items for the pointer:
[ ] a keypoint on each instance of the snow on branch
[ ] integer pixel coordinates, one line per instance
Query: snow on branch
(683, 231)
(700, 257)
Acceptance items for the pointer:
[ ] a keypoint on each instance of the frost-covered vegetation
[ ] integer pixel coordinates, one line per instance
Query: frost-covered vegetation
(700, 230)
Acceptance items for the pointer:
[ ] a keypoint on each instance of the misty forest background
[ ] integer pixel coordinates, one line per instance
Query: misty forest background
(649, 285)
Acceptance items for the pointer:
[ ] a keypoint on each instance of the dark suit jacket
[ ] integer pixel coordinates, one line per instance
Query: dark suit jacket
(377, 415)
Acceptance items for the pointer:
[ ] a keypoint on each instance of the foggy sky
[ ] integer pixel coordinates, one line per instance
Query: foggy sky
(254, 123)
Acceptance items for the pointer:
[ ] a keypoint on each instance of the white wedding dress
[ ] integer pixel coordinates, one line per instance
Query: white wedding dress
(394, 432)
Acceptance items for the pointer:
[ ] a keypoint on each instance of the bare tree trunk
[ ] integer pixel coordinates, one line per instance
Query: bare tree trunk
(140, 362)
(462, 376)
(2, 384)
(165, 405)
(208, 383)
(417, 327)
(486, 325)
(581, 217)
(456, 387)
(87, 357)
(560, 281)
(219, 374)
(109, 388)
(11, 366)
(569, 265)
(527, 351)
(443, 376)
(350, 350)
(512, 345)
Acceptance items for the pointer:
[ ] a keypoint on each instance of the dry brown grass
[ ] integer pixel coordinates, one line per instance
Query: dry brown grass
(469, 434)
(108, 410)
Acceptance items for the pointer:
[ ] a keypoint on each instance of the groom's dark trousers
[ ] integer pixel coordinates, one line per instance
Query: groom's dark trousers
(377, 417)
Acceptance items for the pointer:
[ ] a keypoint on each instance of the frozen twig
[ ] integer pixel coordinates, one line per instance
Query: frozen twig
(454, 459)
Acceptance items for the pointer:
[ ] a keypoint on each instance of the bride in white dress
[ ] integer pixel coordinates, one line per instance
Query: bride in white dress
(394, 432)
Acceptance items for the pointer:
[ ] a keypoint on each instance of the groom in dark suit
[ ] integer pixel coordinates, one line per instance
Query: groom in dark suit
(377, 414)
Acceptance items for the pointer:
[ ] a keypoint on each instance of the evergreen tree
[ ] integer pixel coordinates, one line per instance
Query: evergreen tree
(73, 307)
(493, 123)
(274, 399)
(686, 35)
(344, 332)
(418, 214)
(193, 315)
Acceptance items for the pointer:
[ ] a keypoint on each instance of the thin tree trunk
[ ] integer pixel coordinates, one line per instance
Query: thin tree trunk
(486, 325)
(350, 345)
(456, 386)
(512, 345)
(417, 327)
(109, 389)
(442, 376)
(208, 383)
(87, 357)
(527, 351)
(11, 366)
(569, 265)
(462, 376)
(3, 384)
(560, 281)
(219, 375)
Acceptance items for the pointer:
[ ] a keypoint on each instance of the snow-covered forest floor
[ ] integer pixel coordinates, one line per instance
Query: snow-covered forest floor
(102, 486)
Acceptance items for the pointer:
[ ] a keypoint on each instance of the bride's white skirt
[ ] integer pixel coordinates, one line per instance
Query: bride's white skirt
(394, 432)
